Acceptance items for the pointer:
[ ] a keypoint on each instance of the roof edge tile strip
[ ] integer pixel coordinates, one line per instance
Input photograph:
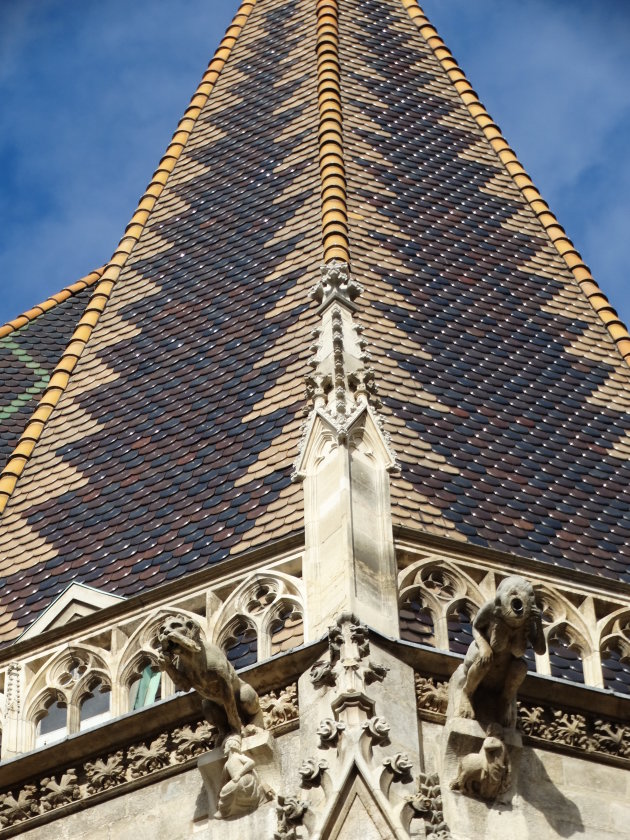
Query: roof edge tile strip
(31, 314)
(331, 163)
(59, 379)
(555, 231)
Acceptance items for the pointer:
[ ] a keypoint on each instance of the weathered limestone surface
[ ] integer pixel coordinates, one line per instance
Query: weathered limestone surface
(556, 796)
(174, 809)
(344, 463)
(233, 794)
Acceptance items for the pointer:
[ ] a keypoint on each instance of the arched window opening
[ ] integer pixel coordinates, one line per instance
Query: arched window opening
(52, 725)
(241, 644)
(616, 668)
(530, 658)
(565, 656)
(287, 629)
(95, 706)
(416, 621)
(459, 625)
(147, 687)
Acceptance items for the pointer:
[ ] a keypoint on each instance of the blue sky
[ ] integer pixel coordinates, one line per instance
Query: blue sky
(92, 91)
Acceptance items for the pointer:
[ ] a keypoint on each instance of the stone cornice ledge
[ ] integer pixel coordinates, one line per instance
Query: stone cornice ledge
(113, 759)
(537, 687)
(554, 714)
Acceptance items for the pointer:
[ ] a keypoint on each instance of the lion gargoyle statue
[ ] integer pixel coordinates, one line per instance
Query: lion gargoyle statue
(228, 702)
(494, 668)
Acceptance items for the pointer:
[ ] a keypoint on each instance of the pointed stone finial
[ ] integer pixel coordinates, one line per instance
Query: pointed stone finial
(343, 460)
(341, 380)
(336, 283)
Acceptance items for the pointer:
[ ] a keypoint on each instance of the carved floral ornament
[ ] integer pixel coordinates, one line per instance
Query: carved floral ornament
(106, 773)
(352, 744)
(435, 591)
(335, 283)
(169, 752)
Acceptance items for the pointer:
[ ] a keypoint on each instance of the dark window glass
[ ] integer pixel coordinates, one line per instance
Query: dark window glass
(241, 646)
(95, 706)
(147, 688)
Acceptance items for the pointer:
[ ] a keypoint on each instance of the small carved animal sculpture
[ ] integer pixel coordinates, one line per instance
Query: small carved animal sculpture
(486, 773)
(228, 701)
(501, 630)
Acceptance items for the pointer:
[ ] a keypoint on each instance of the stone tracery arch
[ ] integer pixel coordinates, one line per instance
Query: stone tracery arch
(614, 647)
(433, 589)
(255, 603)
(62, 680)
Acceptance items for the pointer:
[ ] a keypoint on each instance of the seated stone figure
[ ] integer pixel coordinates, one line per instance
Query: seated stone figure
(487, 773)
(242, 791)
(493, 666)
(229, 703)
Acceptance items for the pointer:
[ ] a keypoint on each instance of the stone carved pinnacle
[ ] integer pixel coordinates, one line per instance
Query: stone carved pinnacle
(340, 381)
(336, 283)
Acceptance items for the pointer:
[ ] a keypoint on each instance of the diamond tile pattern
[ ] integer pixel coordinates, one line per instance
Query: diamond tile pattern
(173, 444)
(508, 403)
(171, 447)
(27, 358)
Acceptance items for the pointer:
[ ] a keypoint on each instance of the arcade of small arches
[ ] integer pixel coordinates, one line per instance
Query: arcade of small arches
(87, 682)
(115, 672)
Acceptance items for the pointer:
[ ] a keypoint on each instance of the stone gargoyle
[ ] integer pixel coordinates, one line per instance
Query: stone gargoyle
(228, 702)
(494, 666)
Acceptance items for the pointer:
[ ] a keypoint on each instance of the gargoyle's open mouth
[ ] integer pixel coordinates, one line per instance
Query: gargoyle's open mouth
(176, 641)
(517, 606)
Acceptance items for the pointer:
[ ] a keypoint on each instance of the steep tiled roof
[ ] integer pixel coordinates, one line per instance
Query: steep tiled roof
(507, 398)
(30, 347)
(178, 404)
(172, 444)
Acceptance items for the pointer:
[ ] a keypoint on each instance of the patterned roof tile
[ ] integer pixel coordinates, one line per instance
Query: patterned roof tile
(509, 395)
(178, 403)
(165, 418)
(30, 347)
